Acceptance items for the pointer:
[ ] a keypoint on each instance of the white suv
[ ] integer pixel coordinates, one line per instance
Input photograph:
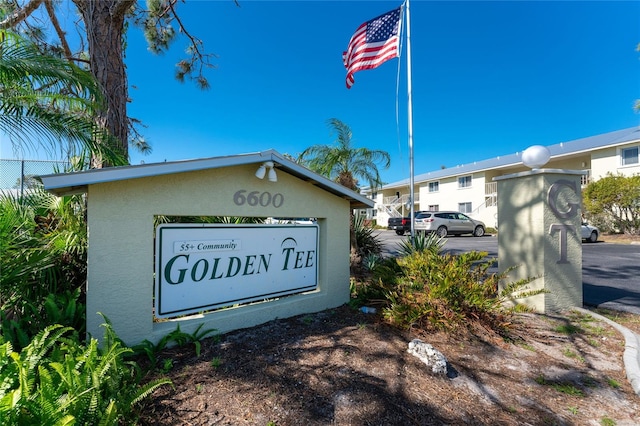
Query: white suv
(448, 223)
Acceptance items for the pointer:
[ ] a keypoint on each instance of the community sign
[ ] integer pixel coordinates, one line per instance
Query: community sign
(200, 267)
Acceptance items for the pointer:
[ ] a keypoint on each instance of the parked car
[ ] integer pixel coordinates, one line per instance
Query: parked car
(589, 233)
(399, 224)
(446, 223)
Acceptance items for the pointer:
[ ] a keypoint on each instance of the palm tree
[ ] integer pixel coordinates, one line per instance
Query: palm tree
(343, 162)
(47, 99)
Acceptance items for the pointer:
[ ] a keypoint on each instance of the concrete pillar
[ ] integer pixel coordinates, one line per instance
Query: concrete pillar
(539, 219)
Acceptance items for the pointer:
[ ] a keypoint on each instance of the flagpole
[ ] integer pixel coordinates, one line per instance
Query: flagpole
(410, 124)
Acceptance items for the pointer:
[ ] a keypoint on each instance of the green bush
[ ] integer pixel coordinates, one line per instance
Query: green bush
(432, 291)
(384, 272)
(43, 264)
(611, 203)
(373, 289)
(57, 380)
(63, 309)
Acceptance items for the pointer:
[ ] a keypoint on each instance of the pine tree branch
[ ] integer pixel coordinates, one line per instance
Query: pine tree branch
(19, 15)
(56, 25)
(197, 56)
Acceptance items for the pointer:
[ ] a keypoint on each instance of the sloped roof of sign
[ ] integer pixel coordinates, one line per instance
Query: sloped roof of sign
(573, 147)
(77, 182)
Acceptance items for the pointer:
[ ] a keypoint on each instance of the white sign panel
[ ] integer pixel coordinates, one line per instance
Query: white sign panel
(202, 266)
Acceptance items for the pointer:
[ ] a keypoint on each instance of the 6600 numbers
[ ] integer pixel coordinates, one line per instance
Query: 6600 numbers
(255, 198)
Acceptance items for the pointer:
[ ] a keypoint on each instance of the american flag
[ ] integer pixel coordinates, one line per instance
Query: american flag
(373, 43)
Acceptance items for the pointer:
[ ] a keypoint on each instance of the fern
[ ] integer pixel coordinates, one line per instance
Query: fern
(197, 336)
(56, 380)
(110, 416)
(176, 337)
(147, 389)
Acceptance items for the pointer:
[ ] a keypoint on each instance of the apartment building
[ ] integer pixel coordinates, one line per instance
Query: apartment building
(470, 188)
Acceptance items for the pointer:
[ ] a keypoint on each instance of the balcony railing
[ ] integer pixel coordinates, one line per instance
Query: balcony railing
(403, 199)
(491, 188)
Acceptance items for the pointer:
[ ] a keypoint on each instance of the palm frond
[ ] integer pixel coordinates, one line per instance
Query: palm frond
(45, 98)
(344, 163)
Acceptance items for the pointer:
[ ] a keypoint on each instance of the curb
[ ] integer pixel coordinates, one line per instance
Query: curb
(631, 356)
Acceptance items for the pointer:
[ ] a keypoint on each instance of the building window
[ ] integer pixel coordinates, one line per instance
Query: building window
(464, 181)
(434, 186)
(464, 207)
(434, 207)
(629, 156)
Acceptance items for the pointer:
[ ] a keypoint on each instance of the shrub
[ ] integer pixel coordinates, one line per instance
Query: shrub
(373, 289)
(43, 264)
(63, 309)
(612, 203)
(432, 291)
(150, 351)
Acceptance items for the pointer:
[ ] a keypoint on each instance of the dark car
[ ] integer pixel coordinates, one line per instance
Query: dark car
(399, 224)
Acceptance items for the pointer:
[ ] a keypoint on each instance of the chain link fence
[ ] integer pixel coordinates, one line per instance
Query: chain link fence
(17, 176)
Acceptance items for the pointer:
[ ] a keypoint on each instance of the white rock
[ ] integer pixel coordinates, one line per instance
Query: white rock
(429, 355)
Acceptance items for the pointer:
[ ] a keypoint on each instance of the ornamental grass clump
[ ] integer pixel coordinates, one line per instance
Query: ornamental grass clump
(367, 237)
(428, 290)
(421, 241)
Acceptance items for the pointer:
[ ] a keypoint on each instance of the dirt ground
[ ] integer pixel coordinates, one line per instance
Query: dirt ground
(343, 367)
(620, 238)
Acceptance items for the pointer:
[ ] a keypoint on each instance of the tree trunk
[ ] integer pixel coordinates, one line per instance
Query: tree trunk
(104, 23)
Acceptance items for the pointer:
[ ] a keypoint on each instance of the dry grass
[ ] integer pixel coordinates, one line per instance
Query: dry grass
(620, 238)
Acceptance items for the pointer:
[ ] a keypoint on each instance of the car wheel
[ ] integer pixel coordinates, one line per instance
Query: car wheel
(442, 231)
(593, 237)
(478, 232)
(400, 232)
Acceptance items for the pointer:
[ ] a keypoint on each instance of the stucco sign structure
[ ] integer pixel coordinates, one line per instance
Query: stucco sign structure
(215, 277)
(539, 235)
(203, 267)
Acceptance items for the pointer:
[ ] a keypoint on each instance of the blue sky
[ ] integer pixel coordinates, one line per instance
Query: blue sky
(489, 79)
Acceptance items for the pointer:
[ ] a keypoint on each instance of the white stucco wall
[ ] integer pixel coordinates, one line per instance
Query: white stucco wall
(449, 195)
(121, 246)
(608, 161)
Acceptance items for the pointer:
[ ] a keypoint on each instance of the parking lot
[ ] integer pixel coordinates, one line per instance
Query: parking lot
(610, 272)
